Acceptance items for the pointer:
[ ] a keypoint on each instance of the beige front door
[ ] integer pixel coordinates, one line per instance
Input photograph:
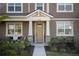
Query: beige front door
(39, 32)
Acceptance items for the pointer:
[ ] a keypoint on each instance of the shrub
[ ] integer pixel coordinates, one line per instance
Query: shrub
(56, 41)
(11, 52)
(61, 43)
(70, 42)
(14, 47)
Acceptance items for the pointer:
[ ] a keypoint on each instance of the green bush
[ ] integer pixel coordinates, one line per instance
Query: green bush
(61, 43)
(11, 52)
(55, 40)
(13, 47)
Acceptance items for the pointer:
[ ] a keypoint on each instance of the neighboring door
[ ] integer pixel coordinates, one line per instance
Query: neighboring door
(39, 32)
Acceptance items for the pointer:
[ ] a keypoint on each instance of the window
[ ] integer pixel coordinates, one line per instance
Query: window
(64, 7)
(14, 7)
(14, 29)
(39, 6)
(64, 28)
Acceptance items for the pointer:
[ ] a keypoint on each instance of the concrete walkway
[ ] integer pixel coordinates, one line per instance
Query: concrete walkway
(39, 50)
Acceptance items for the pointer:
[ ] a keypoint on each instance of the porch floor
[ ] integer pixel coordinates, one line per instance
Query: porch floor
(39, 50)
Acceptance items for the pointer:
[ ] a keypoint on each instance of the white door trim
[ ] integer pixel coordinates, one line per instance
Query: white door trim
(35, 32)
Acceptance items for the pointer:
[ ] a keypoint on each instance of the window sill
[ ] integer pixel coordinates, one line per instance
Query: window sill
(14, 12)
(64, 11)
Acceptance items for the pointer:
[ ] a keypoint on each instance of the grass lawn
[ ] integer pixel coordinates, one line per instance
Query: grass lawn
(50, 53)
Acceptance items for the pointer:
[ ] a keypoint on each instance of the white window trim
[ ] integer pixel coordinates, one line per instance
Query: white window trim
(64, 34)
(14, 8)
(36, 6)
(14, 24)
(47, 7)
(65, 10)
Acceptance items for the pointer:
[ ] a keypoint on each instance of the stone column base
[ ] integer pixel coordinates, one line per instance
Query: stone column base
(30, 38)
(47, 39)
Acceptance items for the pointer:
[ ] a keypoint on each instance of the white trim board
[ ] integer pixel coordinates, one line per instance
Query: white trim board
(39, 12)
(47, 7)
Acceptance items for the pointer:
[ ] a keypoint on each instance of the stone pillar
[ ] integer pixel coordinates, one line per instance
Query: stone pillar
(47, 31)
(30, 34)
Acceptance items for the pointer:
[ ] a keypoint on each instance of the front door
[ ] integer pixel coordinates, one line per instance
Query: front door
(39, 32)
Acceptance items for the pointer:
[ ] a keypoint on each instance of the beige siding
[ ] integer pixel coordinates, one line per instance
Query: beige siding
(76, 28)
(32, 7)
(52, 28)
(2, 8)
(25, 8)
(53, 11)
(2, 29)
(25, 28)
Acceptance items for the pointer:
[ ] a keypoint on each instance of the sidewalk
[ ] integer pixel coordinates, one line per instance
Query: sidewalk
(39, 50)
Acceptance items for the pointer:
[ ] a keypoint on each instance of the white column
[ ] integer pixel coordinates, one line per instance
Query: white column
(47, 28)
(30, 34)
(30, 27)
(47, 31)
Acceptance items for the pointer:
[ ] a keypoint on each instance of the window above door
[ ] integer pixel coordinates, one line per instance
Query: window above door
(14, 8)
(39, 6)
(65, 7)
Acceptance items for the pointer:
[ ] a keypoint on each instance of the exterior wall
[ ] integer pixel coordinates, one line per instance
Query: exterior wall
(2, 8)
(25, 28)
(53, 9)
(25, 8)
(2, 29)
(76, 28)
(32, 7)
(52, 28)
